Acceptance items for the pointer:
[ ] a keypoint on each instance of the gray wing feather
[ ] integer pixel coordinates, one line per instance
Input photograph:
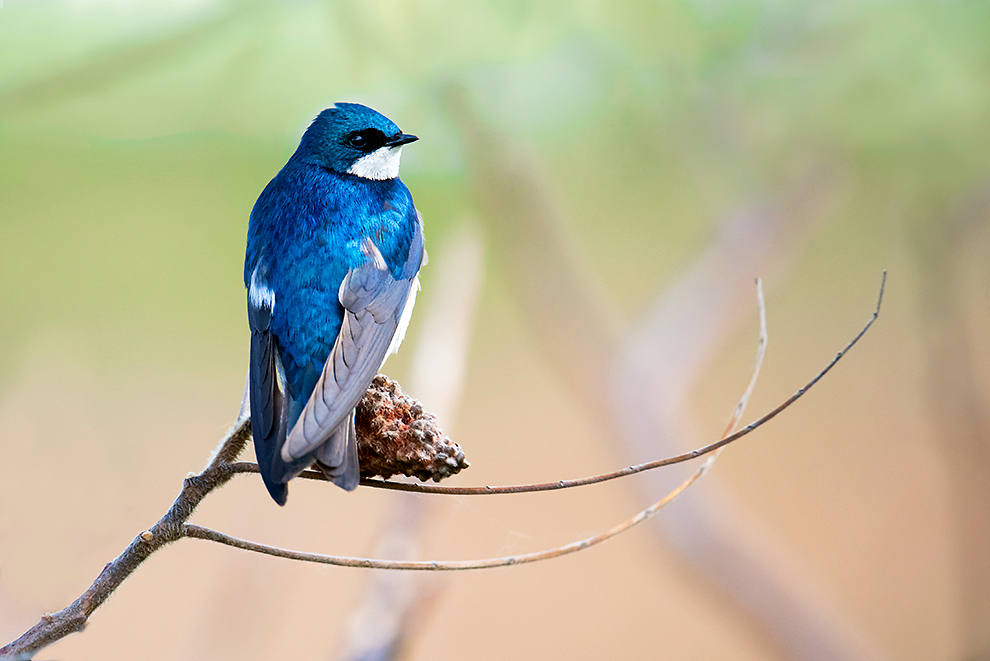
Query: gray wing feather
(337, 457)
(373, 303)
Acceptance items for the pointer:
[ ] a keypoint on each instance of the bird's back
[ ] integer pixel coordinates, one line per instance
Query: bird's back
(334, 247)
(306, 231)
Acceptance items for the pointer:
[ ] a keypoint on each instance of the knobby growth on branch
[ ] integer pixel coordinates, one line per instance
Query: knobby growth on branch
(396, 436)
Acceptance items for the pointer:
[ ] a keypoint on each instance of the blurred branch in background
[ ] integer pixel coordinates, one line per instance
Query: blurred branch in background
(661, 363)
(117, 65)
(382, 625)
(957, 407)
(385, 620)
(640, 391)
(561, 297)
(133, 136)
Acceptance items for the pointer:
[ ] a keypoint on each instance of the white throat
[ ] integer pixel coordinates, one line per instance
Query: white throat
(379, 165)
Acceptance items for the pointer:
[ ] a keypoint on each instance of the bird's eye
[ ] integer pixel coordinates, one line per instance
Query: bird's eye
(367, 140)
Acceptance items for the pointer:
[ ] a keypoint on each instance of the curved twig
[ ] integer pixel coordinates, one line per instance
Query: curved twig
(222, 467)
(248, 467)
(199, 532)
(73, 618)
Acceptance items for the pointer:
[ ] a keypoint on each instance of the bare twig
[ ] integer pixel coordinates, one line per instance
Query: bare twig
(73, 618)
(761, 350)
(199, 532)
(615, 369)
(247, 467)
(776, 595)
(444, 565)
(172, 526)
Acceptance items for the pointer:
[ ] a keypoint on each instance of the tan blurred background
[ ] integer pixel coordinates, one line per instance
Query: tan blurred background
(601, 183)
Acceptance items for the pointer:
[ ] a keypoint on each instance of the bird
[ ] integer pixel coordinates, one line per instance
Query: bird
(334, 249)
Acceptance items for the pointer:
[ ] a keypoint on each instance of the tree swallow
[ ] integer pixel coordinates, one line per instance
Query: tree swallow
(334, 247)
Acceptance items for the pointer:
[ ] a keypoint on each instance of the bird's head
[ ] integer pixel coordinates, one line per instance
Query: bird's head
(354, 139)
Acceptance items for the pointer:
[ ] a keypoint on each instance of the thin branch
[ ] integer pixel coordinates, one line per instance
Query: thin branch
(73, 618)
(199, 532)
(761, 350)
(172, 526)
(247, 467)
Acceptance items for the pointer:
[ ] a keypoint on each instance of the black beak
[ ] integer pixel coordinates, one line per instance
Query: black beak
(401, 139)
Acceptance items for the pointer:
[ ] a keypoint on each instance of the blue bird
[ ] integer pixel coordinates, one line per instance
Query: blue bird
(334, 247)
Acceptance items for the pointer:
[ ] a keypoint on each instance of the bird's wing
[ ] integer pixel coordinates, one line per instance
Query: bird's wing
(374, 304)
(267, 402)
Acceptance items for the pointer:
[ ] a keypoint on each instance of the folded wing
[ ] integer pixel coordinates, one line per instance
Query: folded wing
(267, 401)
(376, 305)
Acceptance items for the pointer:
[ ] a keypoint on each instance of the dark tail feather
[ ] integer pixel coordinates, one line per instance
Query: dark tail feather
(278, 490)
(338, 457)
(266, 450)
(267, 411)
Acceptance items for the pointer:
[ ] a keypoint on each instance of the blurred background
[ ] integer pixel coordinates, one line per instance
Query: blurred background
(601, 182)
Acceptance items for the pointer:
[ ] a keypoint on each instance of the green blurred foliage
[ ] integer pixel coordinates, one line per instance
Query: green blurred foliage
(134, 139)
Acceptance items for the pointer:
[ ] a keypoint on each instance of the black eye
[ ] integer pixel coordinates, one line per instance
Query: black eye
(367, 140)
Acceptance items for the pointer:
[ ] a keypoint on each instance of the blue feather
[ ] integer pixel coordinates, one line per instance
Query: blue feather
(306, 233)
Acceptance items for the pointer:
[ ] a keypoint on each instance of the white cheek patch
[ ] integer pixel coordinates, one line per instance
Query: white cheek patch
(379, 165)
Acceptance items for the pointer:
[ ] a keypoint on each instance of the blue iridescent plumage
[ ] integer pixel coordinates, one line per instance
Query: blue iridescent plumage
(334, 246)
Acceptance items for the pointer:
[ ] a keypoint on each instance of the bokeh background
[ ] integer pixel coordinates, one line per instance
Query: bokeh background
(601, 183)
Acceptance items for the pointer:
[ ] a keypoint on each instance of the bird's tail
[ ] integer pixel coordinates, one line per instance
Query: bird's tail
(337, 457)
